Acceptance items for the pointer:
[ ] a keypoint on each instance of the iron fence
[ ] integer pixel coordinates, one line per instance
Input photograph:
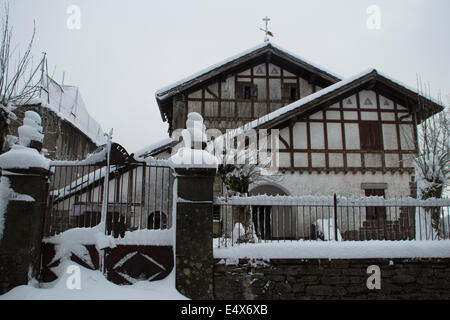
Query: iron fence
(138, 196)
(283, 218)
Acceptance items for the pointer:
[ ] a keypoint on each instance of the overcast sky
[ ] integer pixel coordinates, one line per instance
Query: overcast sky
(124, 51)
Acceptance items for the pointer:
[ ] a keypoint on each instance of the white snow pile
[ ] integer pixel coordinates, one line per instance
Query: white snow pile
(31, 130)
(269, 200)
(93, 158)
(72, 239)
(336, 250)
(325, 227)
(94, 286)
(21, 156)
(193, 135)
(145, 152)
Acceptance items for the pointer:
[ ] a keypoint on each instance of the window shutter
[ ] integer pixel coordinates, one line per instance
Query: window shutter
(370, 136)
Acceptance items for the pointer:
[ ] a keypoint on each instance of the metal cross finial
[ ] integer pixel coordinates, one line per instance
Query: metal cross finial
(266, 30)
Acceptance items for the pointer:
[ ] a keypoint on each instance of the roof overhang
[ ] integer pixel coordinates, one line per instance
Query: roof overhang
(369, 80)
(266, 52)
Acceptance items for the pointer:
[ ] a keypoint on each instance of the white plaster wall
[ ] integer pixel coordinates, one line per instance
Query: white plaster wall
(334, 135)
(342, 184)
(228, 88)
(352, 136)
(296, 221)
(317, 139)
(300, 136)
(389, 136)
(367, 99)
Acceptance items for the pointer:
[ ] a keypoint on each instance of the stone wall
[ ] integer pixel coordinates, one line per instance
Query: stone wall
(294, 279)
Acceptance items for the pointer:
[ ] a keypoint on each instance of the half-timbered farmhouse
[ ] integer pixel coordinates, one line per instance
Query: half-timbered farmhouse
(354, 136)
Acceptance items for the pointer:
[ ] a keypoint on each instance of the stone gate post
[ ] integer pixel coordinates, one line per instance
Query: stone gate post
(23, 195)
(195, 169)
(194, 233)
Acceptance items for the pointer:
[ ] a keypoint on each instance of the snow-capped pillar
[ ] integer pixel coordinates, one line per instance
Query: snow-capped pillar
(194, 232)
(23, 192)
(195, 170)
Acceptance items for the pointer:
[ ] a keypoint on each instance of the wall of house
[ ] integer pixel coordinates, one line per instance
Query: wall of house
(295, 222)
(333, 138)
(62, 140)
(295, 279)
(223, 104)
(343, 184)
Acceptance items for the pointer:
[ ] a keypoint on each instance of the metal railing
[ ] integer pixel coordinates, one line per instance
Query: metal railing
(139, 196)
(284, 218)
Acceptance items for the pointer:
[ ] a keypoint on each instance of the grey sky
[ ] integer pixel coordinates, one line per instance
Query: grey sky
(126, 50)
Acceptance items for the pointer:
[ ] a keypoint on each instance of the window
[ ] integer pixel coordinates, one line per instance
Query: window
(246, 90)
(375, 213)
(290, 91)
(216, 213)
(370, 136)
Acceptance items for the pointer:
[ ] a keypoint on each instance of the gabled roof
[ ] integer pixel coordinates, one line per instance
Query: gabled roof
(264, 52)
(370, 79)
(66, 102)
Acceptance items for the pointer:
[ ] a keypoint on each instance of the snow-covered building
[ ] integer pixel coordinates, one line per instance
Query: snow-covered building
(71, 133)
(353, 137)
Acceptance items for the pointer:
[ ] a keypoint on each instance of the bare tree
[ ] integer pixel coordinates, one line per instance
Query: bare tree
(18, 83)
(432, 162)
(242, 166)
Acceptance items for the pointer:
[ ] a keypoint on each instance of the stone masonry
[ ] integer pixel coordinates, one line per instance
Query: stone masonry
(294, 279)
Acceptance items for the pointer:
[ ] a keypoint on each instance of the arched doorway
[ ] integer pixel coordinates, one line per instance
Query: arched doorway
(268, 189)
(266, 219)
(157, 220)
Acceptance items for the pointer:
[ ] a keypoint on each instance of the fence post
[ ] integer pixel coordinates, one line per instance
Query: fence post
(24, 187)
(335, 217)
(194, 232)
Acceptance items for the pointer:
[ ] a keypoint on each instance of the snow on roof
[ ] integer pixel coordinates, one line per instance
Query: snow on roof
(67, 103)
(152, 147)
(303, 101)
(297, 104)
(161, 92)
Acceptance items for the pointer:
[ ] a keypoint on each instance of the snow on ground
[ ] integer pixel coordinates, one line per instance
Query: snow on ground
(94, 286)
(335, 250)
